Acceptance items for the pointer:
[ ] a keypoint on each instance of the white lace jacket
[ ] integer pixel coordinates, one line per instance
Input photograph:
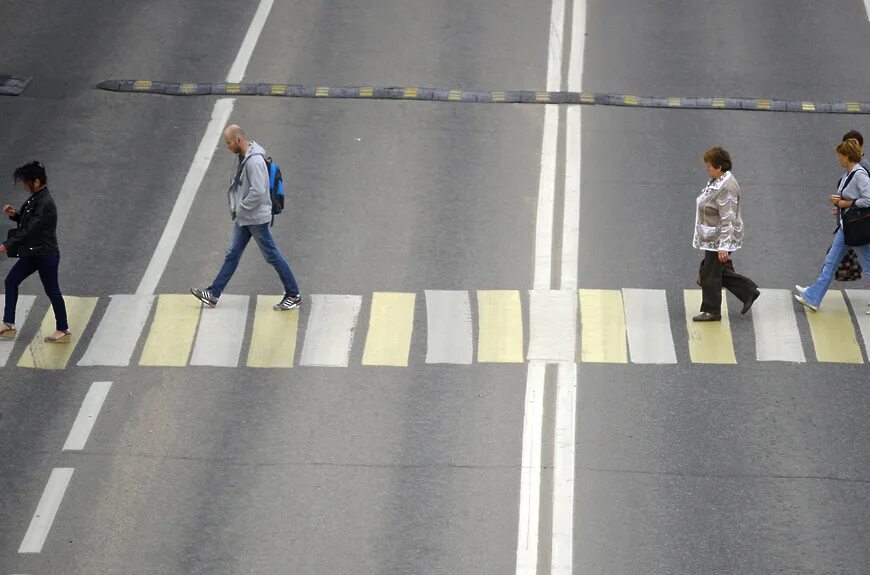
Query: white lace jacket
(718, 223)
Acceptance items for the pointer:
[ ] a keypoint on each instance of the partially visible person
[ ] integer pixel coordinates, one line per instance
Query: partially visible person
(853, 191)
(719, 233)
(856, 135)
(36, 245)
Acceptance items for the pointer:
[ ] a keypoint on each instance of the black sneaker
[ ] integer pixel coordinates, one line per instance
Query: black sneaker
(205, 296)
(289, 301)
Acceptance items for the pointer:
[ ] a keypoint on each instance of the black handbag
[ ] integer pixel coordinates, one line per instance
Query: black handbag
(856, 222)
(13, 253)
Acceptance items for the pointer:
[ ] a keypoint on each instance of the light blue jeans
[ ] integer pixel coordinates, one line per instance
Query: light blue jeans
(816, 292)
(263, 236)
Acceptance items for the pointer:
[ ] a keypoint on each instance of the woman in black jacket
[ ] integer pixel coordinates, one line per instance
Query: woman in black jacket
(36, 245)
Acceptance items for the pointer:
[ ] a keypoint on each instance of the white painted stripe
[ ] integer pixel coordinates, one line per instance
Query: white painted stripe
(331, 325)
(25, 303)
(648, 324)
(563, 470)
(776, 330)
(449, 330)
(221, 330)
(867, 9)
(530, 476)
(90, 409)
(237, 70)
(119, 331)
(47, 508)
(860, 302)
(553, 325)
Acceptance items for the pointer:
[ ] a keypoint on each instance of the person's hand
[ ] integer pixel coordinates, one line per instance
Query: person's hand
(723, 256)
(835, 200)
(835, 210)
(2, 248)
(9, 210)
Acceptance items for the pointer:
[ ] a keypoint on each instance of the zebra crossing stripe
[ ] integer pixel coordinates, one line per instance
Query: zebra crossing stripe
(391, 325)
(776, 331)
(172, 331)
(552, 325)
(833, 332)
(330, 331)
(42, 355)
(448, 327)
(648, 326)
(221, 330)
(602, 321)
(273, 343)
(500, 329)
(25, 303)
(119, 331)
(709, 342)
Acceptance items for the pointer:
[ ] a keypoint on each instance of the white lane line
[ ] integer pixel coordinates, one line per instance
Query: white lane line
(90, 409)
(648, 324)
(47, 508)
(331, 325)
(530, 474)
(221, 330)
(776, 330)
(563, 470)
(860, 302)
(119, 331)
(449, 330)
(25, 303)
(867, 8)
(553, 325)
(219, 118)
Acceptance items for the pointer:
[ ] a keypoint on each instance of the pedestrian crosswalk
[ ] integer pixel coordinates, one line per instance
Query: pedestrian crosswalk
(459, 327)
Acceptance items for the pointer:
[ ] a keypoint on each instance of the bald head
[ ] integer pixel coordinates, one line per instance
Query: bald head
(236, 139)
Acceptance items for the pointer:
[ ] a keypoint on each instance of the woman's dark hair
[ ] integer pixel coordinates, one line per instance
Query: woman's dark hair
(719, 158)
(30, 173)
(854, 135)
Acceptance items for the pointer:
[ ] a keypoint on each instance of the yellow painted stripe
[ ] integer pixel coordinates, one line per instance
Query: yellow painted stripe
(498, 96)
(853, 106)
(278, 89)
(602, 331)
(142, 85)
(500, 330)
(273, 343)
(454, 94)
(833, 332)
(233, 88)
(390, 327)
(762, 104)
(630, 100)
(808, 107)
(188, 88)
(411, 92)
(587, 98)
(172, 331)
(718, 102)
(322, 91)
(674, 102)
(41, 355)
(367, 92)
(542, 96)
(708, 342)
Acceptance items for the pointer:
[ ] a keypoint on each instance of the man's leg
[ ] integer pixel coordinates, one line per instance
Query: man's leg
(48, 274)
(266, 242)
(22, 269)
(711, 284)
(241, 236)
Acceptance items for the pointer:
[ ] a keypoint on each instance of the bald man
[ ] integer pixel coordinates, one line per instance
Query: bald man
(251, 210)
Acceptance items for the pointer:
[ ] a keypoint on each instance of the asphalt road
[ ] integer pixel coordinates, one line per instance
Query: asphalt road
(754, 468)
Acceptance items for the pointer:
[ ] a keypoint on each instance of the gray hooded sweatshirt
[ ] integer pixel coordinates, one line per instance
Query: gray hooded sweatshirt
(248, 196)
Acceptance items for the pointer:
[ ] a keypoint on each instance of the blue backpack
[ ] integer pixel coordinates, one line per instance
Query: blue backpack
(276, 187)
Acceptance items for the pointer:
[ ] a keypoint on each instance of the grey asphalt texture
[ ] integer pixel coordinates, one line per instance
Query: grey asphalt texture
(680, 469)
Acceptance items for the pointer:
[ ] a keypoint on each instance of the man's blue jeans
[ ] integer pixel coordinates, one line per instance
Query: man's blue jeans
(263, 236)
(816, 292)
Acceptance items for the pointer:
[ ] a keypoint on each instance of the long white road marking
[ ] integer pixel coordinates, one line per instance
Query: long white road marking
(47, 508)
(221, 330)
(25, 302)
(449, 336)
(648, 325)
(553, 325)
(860, 302)
(563, 470)
(867, 8)
(331, 325)
(530, 474)
(776, 330)
(119, 331)
(90, 409)
(219, 118)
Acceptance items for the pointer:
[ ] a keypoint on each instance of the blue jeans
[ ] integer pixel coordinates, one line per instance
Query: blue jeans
(47, 267)
(816, 292)
(263, 236)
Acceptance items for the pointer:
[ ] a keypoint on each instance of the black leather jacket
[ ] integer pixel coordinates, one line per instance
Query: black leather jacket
(37, 225)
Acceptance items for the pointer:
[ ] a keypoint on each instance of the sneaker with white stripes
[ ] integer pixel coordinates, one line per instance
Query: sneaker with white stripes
(205, 296)
(288, 302)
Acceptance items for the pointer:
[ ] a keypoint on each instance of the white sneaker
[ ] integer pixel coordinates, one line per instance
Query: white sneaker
(805, 303)
(800, 289)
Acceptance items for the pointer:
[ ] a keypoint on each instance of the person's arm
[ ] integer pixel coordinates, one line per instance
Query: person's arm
(43, 215)
(861, 181)
(257, 183)
(727, 202)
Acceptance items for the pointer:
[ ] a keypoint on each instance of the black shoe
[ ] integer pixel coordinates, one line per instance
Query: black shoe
(205, 296)
(289, 301)
(707, 316)
(748, 305)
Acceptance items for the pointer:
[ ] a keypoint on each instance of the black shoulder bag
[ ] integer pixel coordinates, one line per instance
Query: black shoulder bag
(856, 222)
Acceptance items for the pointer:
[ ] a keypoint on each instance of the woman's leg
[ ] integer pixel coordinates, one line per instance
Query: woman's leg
(711, 284)
(816, 292)
(23, 268)
(48, 273)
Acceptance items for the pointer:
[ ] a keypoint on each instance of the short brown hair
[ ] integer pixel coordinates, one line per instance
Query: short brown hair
(851, 149)
(719, 158)
(854, 134)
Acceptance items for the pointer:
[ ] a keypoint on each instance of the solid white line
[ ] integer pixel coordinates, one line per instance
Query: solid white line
(553, 325)
(237, 70)
(563, 470)
(221, 330)
(119, 331)
(331, 325)
(47, 508)
(25, 302)
(90, 409)
(530, 477)
(776, 330)
(648, 325)
(449, 329)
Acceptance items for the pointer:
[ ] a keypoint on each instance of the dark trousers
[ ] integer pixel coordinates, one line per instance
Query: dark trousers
(47, 267)
(714, 277)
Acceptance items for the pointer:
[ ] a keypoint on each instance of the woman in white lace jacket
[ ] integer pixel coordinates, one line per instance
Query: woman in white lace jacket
(719, 233)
